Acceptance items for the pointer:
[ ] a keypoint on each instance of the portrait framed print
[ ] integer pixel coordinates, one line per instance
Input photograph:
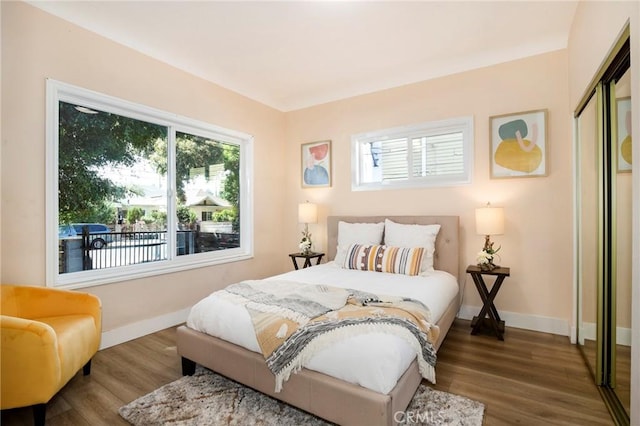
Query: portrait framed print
(623, 106)
(316, 164)
(518, 144)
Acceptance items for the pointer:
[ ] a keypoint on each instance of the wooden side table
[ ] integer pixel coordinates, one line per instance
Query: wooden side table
(494, 320)
(307, 259)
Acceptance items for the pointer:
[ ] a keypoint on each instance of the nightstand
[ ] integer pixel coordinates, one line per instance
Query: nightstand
(307, 259)
(488, 297)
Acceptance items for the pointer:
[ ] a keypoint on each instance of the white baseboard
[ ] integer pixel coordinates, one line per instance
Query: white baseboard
(588, 331)
(528, 322)
(511, 319)
(142, 328)
(623, 336)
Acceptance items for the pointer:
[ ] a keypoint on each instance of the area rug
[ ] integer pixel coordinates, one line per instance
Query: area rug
(207, 398)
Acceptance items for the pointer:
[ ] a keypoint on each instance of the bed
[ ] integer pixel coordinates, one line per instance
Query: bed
(329, 397)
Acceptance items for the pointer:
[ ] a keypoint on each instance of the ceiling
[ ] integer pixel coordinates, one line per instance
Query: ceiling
(291, 55)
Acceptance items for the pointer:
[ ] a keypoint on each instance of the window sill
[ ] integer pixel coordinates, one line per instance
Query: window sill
(84, 279)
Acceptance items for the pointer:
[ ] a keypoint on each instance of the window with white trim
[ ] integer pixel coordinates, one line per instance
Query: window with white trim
(133, 191)
(438, 153)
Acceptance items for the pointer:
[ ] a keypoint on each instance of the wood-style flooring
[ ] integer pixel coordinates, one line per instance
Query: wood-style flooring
(528, 379)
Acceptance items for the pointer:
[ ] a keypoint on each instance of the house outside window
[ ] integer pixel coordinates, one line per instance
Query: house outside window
(436, 153)
(144, 178)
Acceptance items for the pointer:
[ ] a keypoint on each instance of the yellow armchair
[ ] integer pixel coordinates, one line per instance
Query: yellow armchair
(47, 336)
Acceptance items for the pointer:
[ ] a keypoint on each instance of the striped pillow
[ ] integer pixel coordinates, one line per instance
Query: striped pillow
(396, 260)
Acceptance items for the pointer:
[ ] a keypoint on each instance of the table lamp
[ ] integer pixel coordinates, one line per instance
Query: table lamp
(307, 213)
(489, 221)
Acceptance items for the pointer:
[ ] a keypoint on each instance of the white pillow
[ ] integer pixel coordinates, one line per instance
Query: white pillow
(356, 233)
(402, 235)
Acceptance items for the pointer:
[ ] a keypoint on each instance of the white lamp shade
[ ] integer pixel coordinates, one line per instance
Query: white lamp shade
(490, 221)
(307, 213)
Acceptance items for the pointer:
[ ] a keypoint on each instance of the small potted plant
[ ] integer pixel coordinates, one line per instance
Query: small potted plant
(305, 243)
(486, 256)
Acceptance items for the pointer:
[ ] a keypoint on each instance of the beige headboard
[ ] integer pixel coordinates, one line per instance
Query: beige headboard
(447, 254)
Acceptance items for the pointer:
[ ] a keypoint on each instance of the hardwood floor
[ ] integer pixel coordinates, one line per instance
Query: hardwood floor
(528, 379)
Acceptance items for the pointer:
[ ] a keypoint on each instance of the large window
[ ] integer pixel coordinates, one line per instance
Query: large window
(133, 191)
(429, 154)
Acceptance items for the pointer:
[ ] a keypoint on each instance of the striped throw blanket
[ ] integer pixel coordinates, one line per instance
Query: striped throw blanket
(294, 321)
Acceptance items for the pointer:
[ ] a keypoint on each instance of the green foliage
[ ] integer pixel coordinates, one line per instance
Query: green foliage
(100, 212)
(191, 152)
(226, 215)
(134, 214)
(159, 217)
(186, 215)
(231, 190)
(88, 142)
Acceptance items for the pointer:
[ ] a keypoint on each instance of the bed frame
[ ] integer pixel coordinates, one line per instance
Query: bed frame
(327, 397)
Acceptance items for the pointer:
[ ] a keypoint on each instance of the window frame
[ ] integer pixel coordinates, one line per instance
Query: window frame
(410, 132)
(58, 91)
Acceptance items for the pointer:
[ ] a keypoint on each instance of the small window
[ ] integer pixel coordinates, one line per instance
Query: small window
(429, 154)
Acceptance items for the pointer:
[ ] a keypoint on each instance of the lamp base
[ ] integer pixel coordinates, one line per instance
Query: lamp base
(488, 244)
(488, 266)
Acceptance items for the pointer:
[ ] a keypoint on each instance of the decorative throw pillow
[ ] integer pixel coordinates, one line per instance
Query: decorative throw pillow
(403, 235)
(356, 233)
(395, 260)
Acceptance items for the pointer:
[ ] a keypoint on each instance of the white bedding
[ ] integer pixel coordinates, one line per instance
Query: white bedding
(375, 361)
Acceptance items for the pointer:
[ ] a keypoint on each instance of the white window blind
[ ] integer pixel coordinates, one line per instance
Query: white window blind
(428, 154)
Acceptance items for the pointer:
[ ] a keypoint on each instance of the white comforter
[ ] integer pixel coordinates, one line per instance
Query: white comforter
(375, 361)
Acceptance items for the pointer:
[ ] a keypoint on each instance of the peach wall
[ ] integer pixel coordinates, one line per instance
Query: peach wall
(36, 46)
(537, 244)
(1, 144)
(595, 28)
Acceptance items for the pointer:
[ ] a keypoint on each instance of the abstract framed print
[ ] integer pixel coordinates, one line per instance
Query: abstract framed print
(623, 114)
(316, 164)
(518, 144)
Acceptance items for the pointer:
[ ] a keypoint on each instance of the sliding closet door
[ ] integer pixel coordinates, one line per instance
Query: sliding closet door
(604, 230)
(622, 132)
(587, 154)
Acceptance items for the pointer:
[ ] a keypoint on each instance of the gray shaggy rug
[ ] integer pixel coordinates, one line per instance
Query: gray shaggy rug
(207, 398)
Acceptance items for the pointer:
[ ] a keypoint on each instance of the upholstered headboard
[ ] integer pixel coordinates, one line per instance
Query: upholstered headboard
(447, 250)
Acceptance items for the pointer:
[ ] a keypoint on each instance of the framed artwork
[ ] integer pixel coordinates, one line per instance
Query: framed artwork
(316, 164)
(518, 144)
(624, 134)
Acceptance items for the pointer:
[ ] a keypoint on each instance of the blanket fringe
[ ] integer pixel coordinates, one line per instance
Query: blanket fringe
(294, 316)
(427, 371)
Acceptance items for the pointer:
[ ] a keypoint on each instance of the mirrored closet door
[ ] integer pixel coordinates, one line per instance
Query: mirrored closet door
(604, 230)
(623, 230)
(587, 125)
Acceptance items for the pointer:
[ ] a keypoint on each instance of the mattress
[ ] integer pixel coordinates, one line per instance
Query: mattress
(375, 360)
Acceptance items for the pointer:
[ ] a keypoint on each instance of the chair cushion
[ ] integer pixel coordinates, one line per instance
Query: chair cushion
(77, 341)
